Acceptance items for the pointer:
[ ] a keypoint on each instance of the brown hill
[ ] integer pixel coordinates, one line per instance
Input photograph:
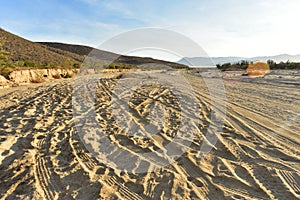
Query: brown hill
(16, 52)
(20, 52)
(73, 48)
(109, 56)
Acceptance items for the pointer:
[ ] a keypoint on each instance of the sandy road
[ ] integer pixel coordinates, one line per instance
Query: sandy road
(256, 156)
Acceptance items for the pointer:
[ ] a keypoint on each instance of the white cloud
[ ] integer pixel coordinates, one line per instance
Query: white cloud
(119, 7)
(90, 2)
(240, 28)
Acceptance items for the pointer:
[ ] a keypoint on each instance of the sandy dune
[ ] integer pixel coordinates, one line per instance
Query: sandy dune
(257, 155)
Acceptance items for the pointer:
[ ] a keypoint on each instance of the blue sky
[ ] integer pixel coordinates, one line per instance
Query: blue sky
(222, 28)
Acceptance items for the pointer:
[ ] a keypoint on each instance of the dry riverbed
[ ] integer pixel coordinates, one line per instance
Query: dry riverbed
(257, 155)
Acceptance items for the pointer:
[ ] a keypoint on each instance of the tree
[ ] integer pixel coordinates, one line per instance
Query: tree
(271, 62)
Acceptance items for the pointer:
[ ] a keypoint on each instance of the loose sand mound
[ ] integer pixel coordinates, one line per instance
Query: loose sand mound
(256, 156)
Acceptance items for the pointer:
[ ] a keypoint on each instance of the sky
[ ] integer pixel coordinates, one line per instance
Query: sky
(245, 28)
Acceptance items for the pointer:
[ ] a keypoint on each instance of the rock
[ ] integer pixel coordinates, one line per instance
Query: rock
(4, 83)
(3, 80)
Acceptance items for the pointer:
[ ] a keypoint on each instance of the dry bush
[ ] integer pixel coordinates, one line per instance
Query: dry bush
(56, 76)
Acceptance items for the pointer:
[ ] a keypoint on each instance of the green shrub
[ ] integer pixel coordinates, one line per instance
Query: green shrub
(30, 64)
(6, 71)
(111, 66)
(76, 65)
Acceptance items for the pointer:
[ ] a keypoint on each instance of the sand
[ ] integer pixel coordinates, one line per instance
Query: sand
(257, 155)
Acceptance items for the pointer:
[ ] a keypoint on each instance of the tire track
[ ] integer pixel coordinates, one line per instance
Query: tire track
(292, 179)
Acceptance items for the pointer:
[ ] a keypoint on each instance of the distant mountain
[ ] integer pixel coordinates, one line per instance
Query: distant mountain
(212, 61)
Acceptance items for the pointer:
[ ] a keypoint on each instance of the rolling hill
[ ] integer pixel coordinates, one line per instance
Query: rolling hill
(81, 50)
(17, 52)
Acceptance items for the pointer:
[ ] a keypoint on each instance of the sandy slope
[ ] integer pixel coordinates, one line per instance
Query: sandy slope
(256, 156)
